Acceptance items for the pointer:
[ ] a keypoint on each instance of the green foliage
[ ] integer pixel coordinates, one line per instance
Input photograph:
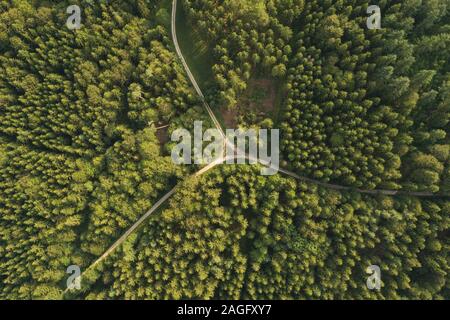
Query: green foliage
(235, 234)
(359, 104)
(81, 160)
(251, 37)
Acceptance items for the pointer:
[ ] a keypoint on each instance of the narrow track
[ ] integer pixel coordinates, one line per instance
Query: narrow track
(223, 159)
(284, 171)
(138, 223)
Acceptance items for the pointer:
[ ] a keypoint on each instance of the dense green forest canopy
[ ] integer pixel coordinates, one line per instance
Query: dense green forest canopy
(365, 108)
(82, 157)
(80, 161)
(275, 238)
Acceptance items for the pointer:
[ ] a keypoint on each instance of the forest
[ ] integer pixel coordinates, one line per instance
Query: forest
(275, 238)
(86, 117)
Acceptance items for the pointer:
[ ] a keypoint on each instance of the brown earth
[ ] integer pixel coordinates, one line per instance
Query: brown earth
(163, 136)
(267, 105)
(259, 98)
(230, 118)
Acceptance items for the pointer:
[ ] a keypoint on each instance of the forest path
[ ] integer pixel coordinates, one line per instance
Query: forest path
(155, 207)
(188, 70)
(284, 171)
(223, 159)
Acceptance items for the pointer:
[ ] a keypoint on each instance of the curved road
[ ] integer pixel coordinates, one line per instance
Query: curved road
(219, 161)
(287, 172)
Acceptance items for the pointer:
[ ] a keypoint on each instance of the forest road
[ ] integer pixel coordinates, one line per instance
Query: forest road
(223, 159)
(138, 223)
(284, 171)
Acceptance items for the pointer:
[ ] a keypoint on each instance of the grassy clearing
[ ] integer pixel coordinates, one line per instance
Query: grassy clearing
(198, 56)
(280, 96)
(195, 50)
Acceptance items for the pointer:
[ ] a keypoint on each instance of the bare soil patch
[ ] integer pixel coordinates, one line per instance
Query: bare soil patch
(163, 136)
(255, 104)
(261, 95)
(230, 118)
